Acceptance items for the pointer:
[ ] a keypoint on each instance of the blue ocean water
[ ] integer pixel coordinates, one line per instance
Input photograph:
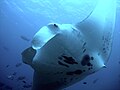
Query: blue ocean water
(20, 20)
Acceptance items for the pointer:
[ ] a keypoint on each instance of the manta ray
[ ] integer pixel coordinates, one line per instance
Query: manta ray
(64, 54)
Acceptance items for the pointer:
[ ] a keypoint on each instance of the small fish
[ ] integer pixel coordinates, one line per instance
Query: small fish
(6, 48)
(94, 81)
(25, 38)
(18, 64)
(11, 77)
(119, 62)
(14, 73)
(24, 81)
(7, 66)
(84, 82)
(21, 78)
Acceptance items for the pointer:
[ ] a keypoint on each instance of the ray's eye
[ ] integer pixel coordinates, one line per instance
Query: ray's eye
(55, 25)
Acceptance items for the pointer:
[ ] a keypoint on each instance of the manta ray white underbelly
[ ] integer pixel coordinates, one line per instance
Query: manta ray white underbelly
(63, 54)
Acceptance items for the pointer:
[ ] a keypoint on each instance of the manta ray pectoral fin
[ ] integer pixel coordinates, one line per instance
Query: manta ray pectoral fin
(102, 19)
(44, 35)
(98, 27)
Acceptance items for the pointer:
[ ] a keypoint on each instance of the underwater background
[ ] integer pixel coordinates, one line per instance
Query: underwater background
(21, 19)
